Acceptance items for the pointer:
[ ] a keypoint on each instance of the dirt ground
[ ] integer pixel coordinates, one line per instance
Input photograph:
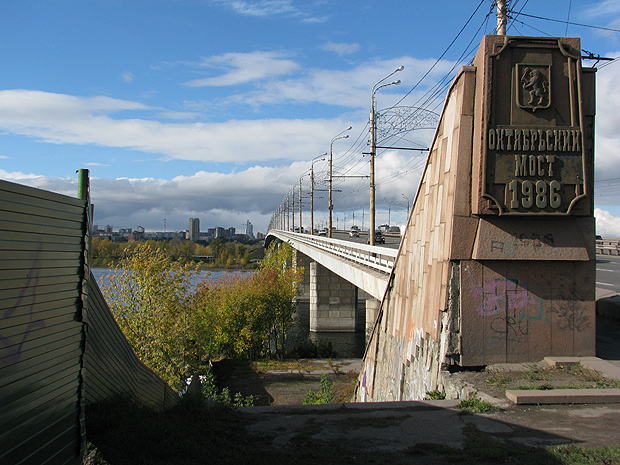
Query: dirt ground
(286, 382)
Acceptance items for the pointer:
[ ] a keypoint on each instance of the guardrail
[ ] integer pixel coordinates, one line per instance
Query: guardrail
(377, 258)
(608, 246)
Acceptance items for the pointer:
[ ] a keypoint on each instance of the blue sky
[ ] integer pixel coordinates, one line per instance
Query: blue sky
(215, 108)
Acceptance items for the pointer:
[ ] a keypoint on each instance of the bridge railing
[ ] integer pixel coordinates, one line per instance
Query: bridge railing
(608, 246)
(378, 258)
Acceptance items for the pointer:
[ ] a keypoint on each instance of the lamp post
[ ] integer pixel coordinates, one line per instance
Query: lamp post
(373, 150)
(331, 204)
(314, 160)
(389, 211)
(287, 222)
(293, 209)
(300, 221)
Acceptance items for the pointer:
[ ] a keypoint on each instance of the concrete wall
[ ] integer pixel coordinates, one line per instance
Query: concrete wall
(333, 301)
(483, 275)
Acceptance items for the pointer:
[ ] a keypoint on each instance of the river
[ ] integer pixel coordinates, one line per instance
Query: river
(346, 345)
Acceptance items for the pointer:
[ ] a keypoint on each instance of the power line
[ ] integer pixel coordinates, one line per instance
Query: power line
(571, 23)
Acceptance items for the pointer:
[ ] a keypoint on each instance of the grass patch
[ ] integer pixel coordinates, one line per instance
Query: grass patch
(294, 366)
(544, 378)
(476, 405)
(574, 455)
(435, 395)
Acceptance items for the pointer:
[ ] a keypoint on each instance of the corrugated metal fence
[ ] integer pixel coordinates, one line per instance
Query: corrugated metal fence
(111, 364)
(59, 345)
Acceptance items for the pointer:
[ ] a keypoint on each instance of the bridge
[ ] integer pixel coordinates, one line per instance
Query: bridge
(497, 261)
(336, 270)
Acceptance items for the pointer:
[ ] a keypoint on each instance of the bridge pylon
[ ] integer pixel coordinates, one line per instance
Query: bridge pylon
(497, 262)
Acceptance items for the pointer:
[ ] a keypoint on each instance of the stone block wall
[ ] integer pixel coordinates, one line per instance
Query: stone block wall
(332, 301)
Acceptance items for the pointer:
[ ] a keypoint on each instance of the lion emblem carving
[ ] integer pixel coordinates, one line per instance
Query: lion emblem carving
(536, 85)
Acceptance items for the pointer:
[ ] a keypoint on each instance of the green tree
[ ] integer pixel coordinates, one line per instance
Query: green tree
(150, 296)
(216, 246)
(249, 317)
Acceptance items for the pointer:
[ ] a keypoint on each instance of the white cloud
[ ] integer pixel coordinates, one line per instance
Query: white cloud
(607, 225)
(260, 7)
(250, 194)
(127, 76)
(349, 88)
(66, 119)
(607, 157)
(244, 67)
(268, 8)
(340, 48)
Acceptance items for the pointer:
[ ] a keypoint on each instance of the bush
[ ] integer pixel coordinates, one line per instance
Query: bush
(325, 394)
(210, 392)
(310, 349)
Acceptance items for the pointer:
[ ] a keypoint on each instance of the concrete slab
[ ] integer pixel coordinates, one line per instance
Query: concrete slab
(607, 368)
(564, 396)
(567, 361)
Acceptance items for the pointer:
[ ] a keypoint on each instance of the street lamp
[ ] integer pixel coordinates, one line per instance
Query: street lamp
(373, 150)
(331, 203)
(389, 211)
(300, 220)
(314, 160)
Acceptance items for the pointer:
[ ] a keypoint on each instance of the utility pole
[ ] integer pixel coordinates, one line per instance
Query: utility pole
(373, 150)
(501, 17)
(312, 200)
(293, 209)
(300, 222)
(331, 203)
(286, 215)
(315, 159)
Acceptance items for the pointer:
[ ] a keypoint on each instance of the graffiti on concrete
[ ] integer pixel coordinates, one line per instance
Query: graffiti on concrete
(501, 296)
(512, 327)
(12, 346)
(513, 306)
(569, 314)
(521, 241)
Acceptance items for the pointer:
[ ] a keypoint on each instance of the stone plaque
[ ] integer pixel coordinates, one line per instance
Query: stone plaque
(534, 153)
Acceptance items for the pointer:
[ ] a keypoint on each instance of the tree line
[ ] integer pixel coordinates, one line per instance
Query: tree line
(222, 253)
(176, 328)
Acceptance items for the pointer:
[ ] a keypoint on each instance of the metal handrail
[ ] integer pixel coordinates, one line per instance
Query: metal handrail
(378, 258)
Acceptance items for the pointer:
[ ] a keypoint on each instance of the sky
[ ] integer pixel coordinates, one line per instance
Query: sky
(215, 109)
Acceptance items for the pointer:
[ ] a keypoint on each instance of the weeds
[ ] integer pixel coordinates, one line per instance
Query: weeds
(210, 392)
(324, 395)
(435, 395)
(574, 377)
(475, 405)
